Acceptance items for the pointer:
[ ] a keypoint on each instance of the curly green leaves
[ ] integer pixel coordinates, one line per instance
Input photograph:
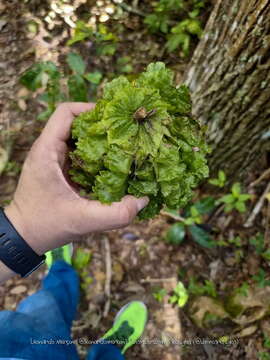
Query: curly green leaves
(140, 140)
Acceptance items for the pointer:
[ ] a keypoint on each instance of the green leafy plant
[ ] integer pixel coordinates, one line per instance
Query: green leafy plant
(258, 242)
(220, 181)
(165, 19)
(180, 295)
(47, 76)
(208, 288)
(260, 279)
(189, 224)
(265, 355)
(181, 35)
(159, 294)
(140, 139)
(235, 200)
(124, 65)
(104, 41)
(237, 241)
(243, 289)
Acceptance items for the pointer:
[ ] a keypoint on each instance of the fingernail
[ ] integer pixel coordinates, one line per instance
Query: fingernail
(142, 202)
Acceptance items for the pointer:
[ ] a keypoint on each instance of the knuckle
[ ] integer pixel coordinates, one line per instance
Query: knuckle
(125, 215)
(62, 106)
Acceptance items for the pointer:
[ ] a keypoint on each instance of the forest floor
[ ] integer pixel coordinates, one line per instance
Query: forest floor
(143, 265)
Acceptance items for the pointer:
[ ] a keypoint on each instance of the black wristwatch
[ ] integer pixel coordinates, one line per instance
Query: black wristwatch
(15, 253)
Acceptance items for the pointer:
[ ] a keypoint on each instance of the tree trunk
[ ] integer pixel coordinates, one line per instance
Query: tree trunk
(229, 79)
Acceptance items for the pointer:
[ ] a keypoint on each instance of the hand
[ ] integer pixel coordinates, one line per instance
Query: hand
(46, 210)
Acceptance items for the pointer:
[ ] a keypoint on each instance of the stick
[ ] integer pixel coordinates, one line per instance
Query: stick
(130, 9)
(107, 287)
(264, 175)
(257, 208)
(175, 217)
(148, 280)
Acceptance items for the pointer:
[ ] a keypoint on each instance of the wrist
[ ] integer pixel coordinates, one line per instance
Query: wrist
(5, 272)
(22, 225)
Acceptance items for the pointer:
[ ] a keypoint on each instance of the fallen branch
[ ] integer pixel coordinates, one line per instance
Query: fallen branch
(257, 208)
(107, 288)
(264, 175)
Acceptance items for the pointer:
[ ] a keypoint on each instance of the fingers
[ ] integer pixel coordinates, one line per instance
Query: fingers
(107, 217)
(59, 124)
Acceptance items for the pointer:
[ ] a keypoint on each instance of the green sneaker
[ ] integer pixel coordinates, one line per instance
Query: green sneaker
(63, 253)
(128, 325)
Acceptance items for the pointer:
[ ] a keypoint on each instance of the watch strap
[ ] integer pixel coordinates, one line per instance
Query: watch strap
(15, 253)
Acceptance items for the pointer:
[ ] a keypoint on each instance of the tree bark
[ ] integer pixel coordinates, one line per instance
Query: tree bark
(229, 79)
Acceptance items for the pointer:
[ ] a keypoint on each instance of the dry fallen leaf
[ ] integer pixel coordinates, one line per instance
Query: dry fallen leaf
(17, 290)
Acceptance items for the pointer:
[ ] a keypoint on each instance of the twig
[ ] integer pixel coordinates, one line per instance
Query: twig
(107, 288)
(264, 175)
(267, 227)
(130, 9)
(257, 208)
(148, 280)
(172, 216)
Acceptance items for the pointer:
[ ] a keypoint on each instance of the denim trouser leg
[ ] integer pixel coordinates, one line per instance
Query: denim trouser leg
(42, 319)
(40, 327)
(104, 352)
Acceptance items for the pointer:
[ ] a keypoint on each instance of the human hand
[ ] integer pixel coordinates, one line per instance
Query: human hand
(46, 211)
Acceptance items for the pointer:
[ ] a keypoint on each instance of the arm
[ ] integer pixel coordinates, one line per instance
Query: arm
(46, 210)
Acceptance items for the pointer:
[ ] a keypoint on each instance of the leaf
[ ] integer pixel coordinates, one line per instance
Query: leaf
(77, 88)
(180, 295)
(201, 237)
(222, 176)
(240, 206)
(205, 205)
(236, 189)
(76, 63)
(176, 234)
(227, 199)
(94, 77)
(81, 32)
(39, 74)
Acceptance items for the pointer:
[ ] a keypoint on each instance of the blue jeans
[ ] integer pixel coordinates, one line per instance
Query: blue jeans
(40, 328)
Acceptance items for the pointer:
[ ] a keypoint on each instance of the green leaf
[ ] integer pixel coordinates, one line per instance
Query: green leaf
(222, 176)
(176, 234)
(201, 237)
(76, 63)
(39, 74)
(244, 197)
(227, 199)
(77, 88)
(94, 77)
(240, 206)
(205, 205)
(180, 295)
(266, 255)
(236, 189)
(82, 32)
